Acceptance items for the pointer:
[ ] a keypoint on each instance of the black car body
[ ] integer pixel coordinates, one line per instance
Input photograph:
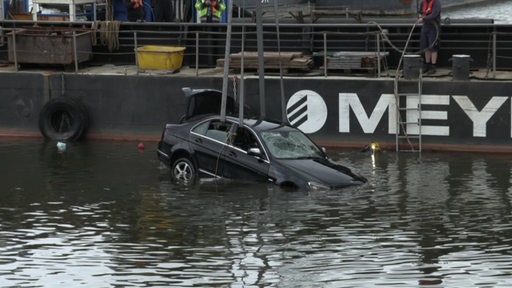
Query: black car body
(248, 150)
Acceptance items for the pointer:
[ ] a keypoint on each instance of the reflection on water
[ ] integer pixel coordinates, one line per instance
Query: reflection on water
(103, 214)
(499, 10)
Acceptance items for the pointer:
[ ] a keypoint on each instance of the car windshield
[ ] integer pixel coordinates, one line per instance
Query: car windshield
(290, 145)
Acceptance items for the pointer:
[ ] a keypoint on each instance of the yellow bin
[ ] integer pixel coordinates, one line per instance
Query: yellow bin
(153, 57)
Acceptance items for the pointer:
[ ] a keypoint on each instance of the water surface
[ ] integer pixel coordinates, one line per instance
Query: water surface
(103, 214)
(500, 11)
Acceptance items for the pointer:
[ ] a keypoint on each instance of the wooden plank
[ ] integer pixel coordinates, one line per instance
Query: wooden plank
(272, 60)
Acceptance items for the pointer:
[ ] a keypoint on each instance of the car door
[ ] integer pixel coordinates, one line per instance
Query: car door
(209, 140)
(241, 164)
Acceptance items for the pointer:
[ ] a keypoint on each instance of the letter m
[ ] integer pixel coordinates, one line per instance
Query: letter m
(349, 101)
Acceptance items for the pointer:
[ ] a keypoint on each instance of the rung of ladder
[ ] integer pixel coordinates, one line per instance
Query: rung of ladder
(409, 109)
(410, 150)
(409, 95)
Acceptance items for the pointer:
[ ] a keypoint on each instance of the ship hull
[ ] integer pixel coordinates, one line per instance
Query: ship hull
(457, 115)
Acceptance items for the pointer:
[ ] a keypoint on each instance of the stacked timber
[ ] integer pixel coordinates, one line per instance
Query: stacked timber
(272, 60)
(354, 60)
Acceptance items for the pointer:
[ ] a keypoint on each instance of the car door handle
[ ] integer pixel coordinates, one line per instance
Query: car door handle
(232, 154)
(199, 140)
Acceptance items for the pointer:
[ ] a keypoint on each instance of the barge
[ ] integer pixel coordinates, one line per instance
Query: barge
(340, 106)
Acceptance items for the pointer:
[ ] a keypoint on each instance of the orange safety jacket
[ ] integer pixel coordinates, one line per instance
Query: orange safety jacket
(427, 7)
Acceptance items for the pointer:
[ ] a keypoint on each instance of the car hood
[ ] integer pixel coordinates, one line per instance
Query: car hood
(323, 171)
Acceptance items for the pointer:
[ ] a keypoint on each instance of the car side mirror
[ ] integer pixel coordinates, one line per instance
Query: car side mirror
(254, 152)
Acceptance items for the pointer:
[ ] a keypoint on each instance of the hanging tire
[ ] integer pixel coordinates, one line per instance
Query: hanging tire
(63, 119)
(183, 171)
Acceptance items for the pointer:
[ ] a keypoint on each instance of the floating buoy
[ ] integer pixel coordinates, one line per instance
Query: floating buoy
(140, 146)
(61, 146)
(374, 147)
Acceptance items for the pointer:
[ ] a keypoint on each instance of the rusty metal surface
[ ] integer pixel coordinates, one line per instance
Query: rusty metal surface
(40, 45)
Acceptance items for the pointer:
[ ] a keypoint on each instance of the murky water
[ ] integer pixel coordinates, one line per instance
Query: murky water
(103, 214)
(500, 11)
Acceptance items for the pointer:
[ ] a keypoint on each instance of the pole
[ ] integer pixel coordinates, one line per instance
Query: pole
(283, 100)
(261, 59)
(197, 54)
(378, 54)
(15, 53)
(226, 64)
(494, 54)
(75, 52)
(135, 44)
(242, 80)
(325, 54)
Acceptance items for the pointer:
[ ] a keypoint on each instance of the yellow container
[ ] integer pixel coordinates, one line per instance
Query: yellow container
(153, 57)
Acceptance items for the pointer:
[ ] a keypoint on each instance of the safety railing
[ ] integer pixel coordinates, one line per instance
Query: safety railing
(489, 45)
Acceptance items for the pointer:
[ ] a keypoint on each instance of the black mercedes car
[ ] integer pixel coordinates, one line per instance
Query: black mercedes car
(249, 150)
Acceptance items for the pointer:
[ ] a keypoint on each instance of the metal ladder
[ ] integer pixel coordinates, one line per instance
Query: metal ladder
(408, 134)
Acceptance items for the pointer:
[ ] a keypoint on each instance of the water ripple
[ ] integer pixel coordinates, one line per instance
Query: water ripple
(437, 220)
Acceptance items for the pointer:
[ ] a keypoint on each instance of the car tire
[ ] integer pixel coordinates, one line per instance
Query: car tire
(63, 119)
(183, 171)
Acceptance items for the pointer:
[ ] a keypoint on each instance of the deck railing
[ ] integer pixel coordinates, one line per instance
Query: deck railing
(490, 46)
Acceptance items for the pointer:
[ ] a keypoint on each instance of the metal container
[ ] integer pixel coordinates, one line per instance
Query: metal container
(54, 45)
(412, 66)
(460, 66)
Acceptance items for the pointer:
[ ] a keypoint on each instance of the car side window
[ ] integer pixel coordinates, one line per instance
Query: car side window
(201, 128)
(244, 139)
(214, 129)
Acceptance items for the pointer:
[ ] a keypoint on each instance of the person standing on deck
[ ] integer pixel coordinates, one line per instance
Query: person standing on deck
(164, 10)
(135, 11)
(430, 17)
(210, 10)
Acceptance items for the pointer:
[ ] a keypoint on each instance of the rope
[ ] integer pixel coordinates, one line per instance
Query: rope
(384, 34)
(109, 34)
(235, 92)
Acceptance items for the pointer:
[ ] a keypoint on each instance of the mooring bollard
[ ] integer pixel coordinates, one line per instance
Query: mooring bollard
(460, 66)
(412, 66)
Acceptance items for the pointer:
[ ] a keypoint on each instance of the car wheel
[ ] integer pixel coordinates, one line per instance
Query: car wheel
(183, 171)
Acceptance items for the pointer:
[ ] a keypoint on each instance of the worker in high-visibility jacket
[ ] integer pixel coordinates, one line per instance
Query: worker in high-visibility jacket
(210, 10)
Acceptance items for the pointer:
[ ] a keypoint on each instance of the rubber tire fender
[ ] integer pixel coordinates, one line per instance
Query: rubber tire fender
(64, 119)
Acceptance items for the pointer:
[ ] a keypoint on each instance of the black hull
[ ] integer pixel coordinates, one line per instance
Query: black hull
(460, 115)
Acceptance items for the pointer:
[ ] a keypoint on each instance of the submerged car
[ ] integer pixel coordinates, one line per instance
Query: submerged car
(249, 150)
